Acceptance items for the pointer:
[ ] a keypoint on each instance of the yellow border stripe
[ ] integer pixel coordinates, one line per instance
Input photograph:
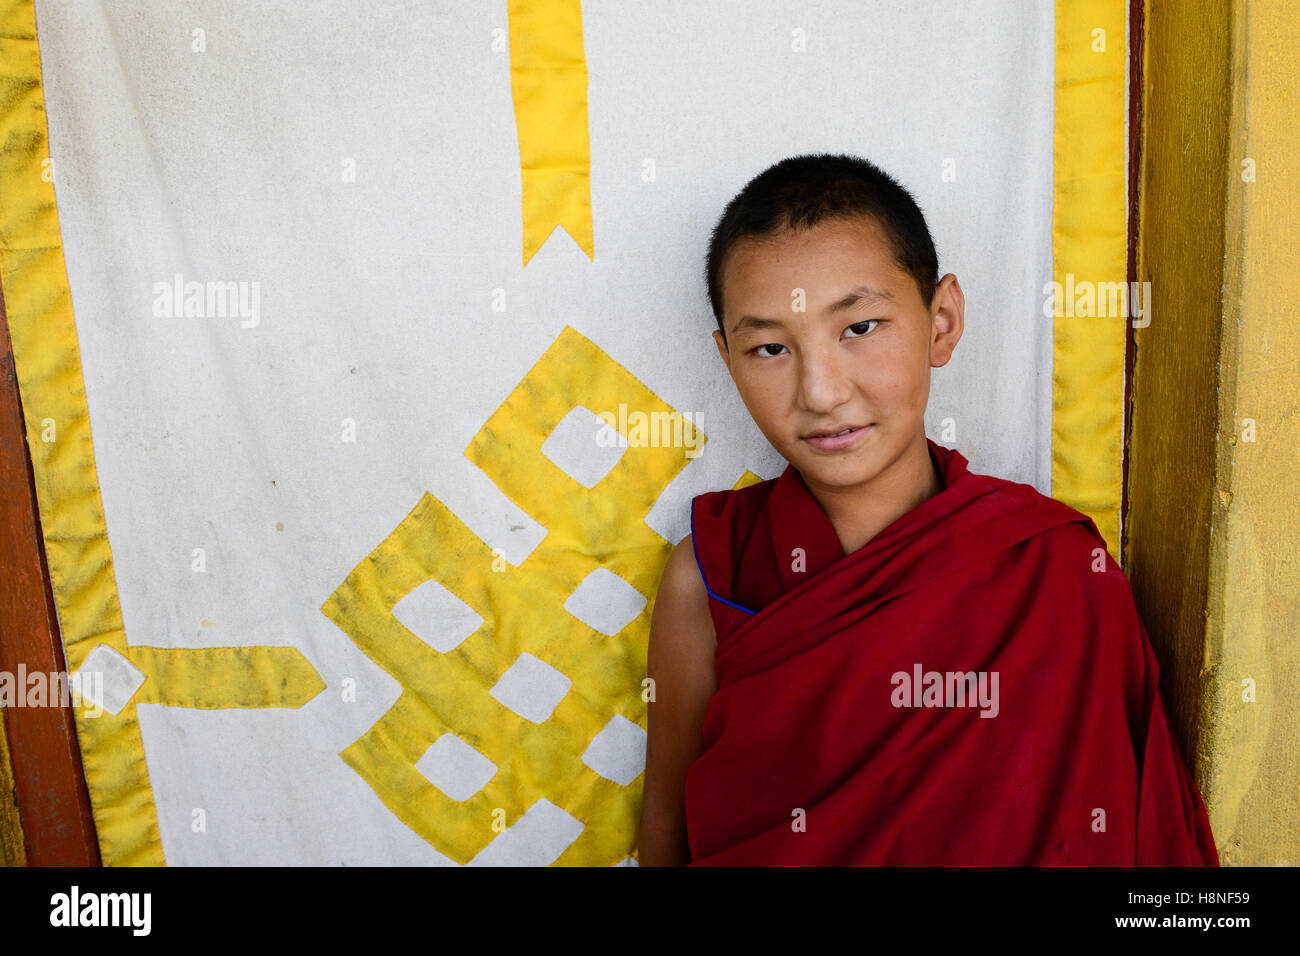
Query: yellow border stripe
(48, 359)
(1089, 241)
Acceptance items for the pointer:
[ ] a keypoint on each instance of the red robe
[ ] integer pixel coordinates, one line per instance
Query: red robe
(830, 742)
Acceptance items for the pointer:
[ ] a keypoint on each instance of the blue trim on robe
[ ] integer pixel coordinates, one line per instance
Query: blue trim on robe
(704, 576)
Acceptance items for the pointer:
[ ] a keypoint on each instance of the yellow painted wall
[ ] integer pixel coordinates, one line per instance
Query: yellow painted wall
(1212, 528)
(1253, 749)
(11, 832)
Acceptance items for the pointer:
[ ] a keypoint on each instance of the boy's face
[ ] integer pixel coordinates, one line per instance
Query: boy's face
(826, 363)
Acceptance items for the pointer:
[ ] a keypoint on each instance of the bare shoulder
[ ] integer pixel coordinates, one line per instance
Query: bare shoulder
(682, 583)
(681, 627)
(680, 667)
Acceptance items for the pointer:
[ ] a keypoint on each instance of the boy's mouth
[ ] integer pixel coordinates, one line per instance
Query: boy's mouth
(836, 437)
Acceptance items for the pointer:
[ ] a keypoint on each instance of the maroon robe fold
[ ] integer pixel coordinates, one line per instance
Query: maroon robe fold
(964, 689)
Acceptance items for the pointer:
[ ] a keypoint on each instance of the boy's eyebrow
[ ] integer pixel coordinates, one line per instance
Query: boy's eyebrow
(861, 293)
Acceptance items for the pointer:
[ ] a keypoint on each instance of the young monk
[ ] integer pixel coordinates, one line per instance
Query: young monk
(880, 657)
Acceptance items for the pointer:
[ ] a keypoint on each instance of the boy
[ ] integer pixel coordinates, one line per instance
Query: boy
(880, 657)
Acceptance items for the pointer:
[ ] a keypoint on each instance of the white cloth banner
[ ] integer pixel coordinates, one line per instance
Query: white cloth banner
(248, 463)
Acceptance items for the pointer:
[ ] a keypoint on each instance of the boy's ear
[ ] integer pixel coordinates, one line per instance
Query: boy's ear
(721, 341)
(947, 320)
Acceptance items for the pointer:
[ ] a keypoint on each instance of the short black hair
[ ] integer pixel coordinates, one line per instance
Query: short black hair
(801, 191)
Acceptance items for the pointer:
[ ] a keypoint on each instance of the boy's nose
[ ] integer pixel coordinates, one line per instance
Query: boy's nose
(824, 383)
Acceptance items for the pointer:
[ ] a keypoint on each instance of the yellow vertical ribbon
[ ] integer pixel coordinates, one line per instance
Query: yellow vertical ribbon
(548, 80)
(1090, 245)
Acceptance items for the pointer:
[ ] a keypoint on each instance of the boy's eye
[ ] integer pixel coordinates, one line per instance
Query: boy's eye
(859, 327)
(770, 345)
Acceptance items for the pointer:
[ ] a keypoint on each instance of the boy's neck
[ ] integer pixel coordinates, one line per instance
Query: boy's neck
(861, 512)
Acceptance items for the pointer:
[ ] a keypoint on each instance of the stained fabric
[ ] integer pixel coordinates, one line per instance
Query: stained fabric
(829, 742)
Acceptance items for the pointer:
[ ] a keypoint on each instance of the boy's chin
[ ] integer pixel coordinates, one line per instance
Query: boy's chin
(841, 467)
